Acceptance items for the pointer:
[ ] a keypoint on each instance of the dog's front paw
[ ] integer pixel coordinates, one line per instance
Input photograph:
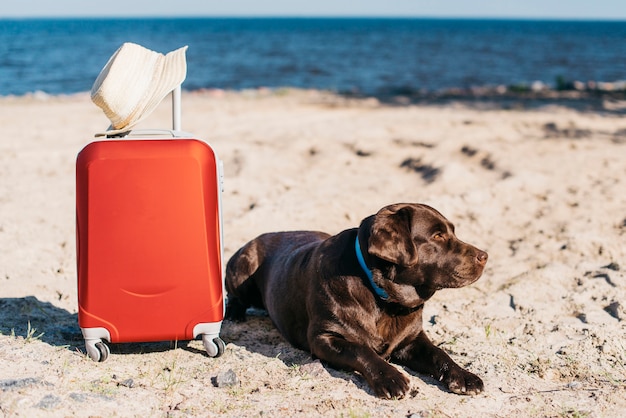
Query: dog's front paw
(463, 382)
(390, 383)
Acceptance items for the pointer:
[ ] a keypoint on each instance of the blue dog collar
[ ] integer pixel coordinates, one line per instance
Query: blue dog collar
(359, 256)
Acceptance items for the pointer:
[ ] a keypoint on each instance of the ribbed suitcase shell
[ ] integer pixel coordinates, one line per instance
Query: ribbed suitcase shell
(149, 240)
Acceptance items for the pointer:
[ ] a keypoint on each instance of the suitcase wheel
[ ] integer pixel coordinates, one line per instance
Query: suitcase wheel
(98, 351)
(214, 347)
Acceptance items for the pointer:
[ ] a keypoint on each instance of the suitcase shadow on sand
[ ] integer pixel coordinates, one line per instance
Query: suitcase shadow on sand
(35, 320)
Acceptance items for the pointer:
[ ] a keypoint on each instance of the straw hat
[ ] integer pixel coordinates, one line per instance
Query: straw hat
(134, 82)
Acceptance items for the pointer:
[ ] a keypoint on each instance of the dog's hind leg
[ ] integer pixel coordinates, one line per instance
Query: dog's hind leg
(241, 287)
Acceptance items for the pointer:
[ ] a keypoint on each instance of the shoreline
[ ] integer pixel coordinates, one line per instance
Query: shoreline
(611, 100)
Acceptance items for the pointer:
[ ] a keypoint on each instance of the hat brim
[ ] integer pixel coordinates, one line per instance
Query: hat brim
(134, 82)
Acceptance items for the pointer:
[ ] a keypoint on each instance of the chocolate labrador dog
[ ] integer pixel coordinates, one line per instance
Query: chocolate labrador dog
(355, 299)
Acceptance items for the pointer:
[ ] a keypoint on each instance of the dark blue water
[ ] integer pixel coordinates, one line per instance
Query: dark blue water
(368, 56)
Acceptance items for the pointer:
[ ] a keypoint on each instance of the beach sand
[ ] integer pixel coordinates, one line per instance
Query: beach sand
(543, 190)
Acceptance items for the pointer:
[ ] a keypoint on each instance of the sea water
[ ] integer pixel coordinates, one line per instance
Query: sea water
(369, 56)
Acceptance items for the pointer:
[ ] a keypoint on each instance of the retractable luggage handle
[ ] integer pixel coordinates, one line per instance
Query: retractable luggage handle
(176, 130)
(176, 111)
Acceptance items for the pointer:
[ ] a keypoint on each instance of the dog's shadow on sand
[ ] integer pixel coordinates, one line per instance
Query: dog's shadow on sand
(257, 334)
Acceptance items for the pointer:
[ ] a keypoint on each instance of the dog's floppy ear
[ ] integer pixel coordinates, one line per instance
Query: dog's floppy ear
(391, 237)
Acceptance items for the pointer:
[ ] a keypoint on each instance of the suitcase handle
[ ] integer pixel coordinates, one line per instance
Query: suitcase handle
(176, 112)
(175, 132)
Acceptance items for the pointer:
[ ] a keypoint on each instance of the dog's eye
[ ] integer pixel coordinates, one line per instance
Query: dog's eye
(439, 236)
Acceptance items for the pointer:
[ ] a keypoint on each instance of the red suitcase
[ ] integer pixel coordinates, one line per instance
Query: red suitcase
(149, 243)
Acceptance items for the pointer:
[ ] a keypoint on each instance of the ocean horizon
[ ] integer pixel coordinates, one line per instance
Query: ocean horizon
(367, 56)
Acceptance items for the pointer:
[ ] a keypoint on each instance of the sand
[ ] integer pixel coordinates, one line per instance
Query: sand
(542, 189)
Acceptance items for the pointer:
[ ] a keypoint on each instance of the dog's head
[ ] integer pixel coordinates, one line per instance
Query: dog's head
(416, 245)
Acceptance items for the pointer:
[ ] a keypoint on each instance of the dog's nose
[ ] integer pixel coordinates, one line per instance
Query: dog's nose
(481, 257)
